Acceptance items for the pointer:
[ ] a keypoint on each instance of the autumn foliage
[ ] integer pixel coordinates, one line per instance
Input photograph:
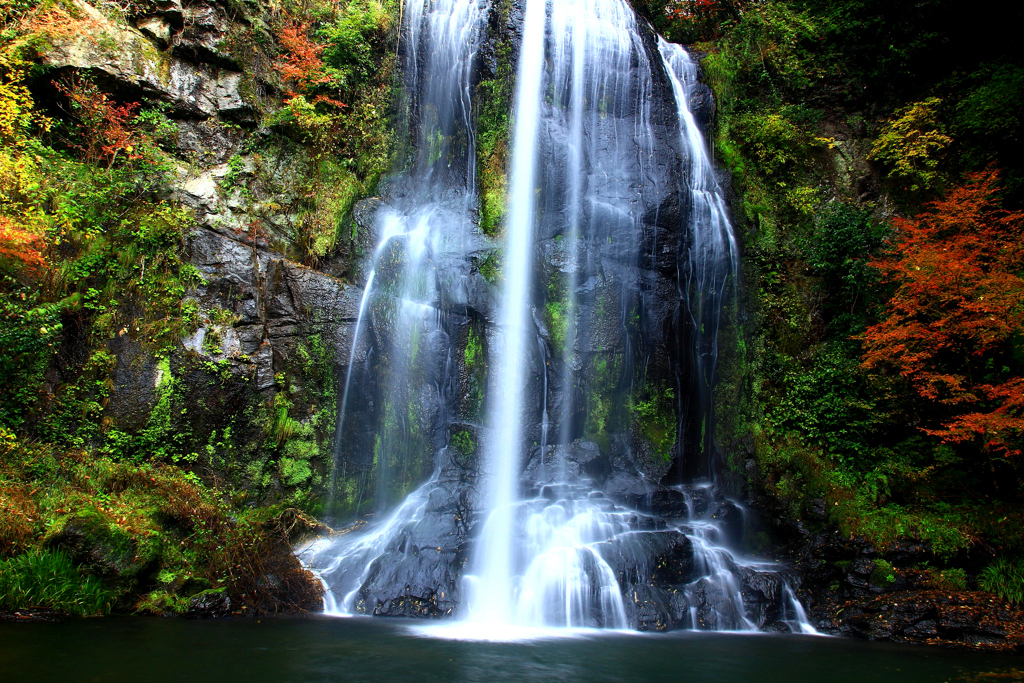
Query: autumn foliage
(19, 244)
(954, 328)
(301, 65)
(106, 128)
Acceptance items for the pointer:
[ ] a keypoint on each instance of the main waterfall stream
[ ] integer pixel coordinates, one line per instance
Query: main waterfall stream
(537, 448)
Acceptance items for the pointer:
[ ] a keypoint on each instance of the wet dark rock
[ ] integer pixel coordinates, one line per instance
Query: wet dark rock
(763, 595)
(419, 574)
(136, 379)
(213, 604)
(968, 620)
(715, 611)
(730, 521)
(33, 614)
(664, 502)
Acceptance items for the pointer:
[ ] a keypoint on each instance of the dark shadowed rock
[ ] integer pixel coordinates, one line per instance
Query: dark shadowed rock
(969, 620)
(214, 604)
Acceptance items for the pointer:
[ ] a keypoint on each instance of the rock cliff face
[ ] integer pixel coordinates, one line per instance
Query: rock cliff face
(273, 332)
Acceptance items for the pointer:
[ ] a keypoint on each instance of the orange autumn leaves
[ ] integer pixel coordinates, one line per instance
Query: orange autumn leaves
(19, 244)
(107, 129)
(301, 65)
(953, 328)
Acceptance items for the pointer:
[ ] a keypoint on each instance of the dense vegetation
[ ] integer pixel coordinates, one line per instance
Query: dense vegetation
(875, 153)
(100, 511)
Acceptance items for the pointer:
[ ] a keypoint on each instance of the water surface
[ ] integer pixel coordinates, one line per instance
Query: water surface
(364, 649)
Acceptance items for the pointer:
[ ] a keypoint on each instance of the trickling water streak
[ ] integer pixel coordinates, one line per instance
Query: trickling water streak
(577, 33)
(800, 620)
(713, 254)
(348, 383)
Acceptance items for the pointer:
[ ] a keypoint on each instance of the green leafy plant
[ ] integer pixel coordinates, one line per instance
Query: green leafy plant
(948, 579)
(913, 144)
(1005, 578)
(48, 579)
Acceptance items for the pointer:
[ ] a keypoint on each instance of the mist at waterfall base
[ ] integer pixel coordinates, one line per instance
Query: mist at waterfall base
(617, 260)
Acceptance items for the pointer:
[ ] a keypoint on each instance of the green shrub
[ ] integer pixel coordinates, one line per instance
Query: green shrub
(913, 144)
(948, 579)
(656, 419)
(883, 575)
(49, 579)
(1005, 578)
(295, 472)
(463, 442)
(828, 401)
(839, 253)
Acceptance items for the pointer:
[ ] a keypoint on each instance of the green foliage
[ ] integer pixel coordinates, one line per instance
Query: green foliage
(162, 602)
(603, 379)
(493, 106)
(295, 472)
(48, 579)
(474, 350)
(556, 313)
(29, 335)
(988, 111)
(948, 579)
(1005, 578)
(774, 142)
(839, 252)
(830, 403)
(463, 442)
(882, 575)
(557, 320)
(655, 417)
(352, 40)
(912, 145)
(988, 123)
(859, 502)
(490, 268)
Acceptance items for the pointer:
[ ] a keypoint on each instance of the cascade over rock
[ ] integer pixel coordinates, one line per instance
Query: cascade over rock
(576, 489)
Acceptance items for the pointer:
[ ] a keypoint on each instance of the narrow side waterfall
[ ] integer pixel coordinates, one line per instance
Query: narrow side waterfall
(713, 256)
(396, 395)
(576, 490)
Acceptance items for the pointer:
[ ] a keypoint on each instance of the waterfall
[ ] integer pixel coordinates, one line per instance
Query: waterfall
(713, 256)
(601, 343)
(400, 359)
(492, 599)
(536, 563)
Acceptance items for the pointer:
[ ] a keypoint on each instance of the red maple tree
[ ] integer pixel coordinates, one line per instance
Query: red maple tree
(106, 128)
(19, 244)
(302, 65)
(955, 322)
